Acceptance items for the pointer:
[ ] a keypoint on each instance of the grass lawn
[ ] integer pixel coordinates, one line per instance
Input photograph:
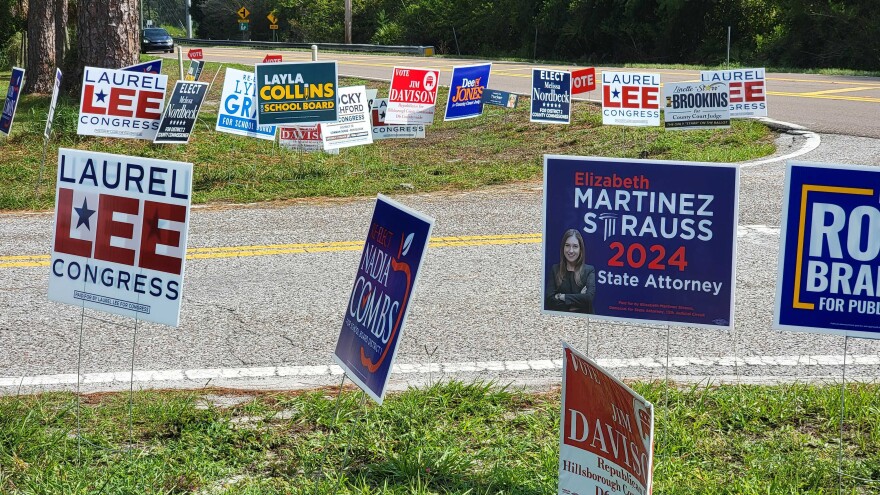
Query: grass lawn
(447, 439)
(499, 147)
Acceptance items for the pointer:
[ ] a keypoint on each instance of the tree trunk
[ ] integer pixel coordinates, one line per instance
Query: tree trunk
(40, 75)
(62, 41)
(107, 34)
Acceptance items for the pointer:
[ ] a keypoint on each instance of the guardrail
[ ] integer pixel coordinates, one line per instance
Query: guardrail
(425, 51)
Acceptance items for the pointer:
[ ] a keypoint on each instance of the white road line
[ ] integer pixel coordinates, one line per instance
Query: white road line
(201, 375)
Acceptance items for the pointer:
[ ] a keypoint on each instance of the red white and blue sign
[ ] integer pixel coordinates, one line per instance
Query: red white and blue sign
(551, 96)
(151, 67)
(120, 234)
(640, 240)
(829, 254)
(466, 91)
(11, 102)
(747, 88)
(383, 288)
(121, 104)
(630, 99)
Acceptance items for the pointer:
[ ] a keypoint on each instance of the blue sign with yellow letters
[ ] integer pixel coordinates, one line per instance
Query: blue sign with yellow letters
(466, 91)
(829, 253)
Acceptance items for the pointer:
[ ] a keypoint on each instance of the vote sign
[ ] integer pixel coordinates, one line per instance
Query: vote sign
(412, 96)
(121, 104)
(383, 287)
(238, 107)
(195, 54)
(583, 80)
(11, 103)
(630, 99)
(120, 234)
(747, 88)
(828, 277)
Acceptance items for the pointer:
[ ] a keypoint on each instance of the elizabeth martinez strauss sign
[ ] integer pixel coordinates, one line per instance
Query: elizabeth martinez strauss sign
(120, 234)
(640, 240)
(383, 287)
(829, 253)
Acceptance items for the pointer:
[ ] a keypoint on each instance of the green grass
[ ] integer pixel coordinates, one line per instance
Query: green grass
(499, 147)
(447, 439)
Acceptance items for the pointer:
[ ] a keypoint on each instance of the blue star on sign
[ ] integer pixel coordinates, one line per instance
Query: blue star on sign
(100, 96)
(615, 94)
(84, 214)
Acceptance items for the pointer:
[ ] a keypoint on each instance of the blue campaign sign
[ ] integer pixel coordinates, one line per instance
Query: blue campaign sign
(829, 253)
(640, 240)
(499, 98)
(151, 67)
(384, 285)
(466, 91)
(11, 103)
(238, 107)
(551, 96)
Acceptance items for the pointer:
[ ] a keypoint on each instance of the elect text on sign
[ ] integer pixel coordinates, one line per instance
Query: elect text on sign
(181, 113)
(640, 240)
(121, 104)
(120, 234)
(551, 96)
(829, 253)
(386, 280)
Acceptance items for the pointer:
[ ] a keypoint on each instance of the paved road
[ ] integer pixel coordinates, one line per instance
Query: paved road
(828, 104)
(263, 301)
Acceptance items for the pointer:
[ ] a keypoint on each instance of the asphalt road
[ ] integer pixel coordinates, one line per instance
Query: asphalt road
(263, 313)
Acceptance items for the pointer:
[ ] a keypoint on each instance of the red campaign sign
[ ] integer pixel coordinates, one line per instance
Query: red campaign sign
(583, 80)
(302, 133)
(272, 59)
(195, 54)
(412, 96)
(606, 432)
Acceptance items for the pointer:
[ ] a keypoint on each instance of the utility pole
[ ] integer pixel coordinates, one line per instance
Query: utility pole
(347, 22)
(189, 20)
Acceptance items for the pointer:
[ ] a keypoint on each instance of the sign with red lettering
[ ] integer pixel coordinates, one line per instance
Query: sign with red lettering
(195, 54)
(747, 88)
(121, 104)
(630, 98)
(412, 96)
(583, 80)
(272, 59)
(120, 234)
(606, 433)
(303, 138)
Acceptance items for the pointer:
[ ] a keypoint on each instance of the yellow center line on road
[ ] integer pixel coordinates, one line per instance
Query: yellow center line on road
(221, 252)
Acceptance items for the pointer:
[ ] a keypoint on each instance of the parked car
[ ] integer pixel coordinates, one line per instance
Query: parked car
(156, 39)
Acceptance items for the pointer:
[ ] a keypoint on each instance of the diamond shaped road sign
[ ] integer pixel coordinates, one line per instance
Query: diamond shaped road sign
(243, 13)
(272, 18)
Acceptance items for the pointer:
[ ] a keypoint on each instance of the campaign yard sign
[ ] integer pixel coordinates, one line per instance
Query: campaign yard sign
(747, 88)
(238, 107)
(630, 99)
(195, 54)
(272, 59)
(828, 278)
(302, 138)
(466, 91)
(120, 234)
(412, 96)
(13, 93)
(56, 89)
(640, 240)
(551, 96)
(296, 93)
(181, 112)
(606, 432)
(500, 98)
(583, 80)
(696, 106)
(151, 67)
(121, 104)
(195, 70)
(353, 128)
(383, 130)
(385, 282)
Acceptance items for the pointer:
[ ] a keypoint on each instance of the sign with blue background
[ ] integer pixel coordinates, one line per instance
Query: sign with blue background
(11, 102)
(829, 253)
(386, 279)
(238, 106)
(499, 98)
(296, 93)
(640, 240)
(551, 96)
(466, 91)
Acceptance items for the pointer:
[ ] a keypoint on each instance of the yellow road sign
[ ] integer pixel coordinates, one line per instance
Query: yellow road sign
(273, 26)
(243, 13)
(272, 18)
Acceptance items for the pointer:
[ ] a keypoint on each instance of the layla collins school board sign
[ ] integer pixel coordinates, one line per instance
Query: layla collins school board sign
(646, 241)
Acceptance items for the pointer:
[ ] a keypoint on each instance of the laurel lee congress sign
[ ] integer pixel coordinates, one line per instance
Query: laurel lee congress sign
(120, 234)
(606, 444)
(640, 240)
(829, 254)
(121, 104)
(383, 287)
